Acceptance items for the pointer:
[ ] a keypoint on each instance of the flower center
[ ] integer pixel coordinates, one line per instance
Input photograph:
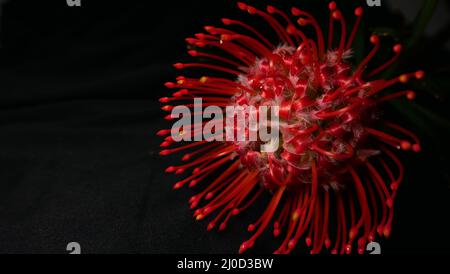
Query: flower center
(318, 119)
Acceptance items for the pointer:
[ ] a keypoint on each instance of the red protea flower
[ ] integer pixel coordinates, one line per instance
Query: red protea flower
(335, 176)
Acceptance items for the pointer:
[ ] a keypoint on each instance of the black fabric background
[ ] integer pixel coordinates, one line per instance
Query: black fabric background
(78, 151)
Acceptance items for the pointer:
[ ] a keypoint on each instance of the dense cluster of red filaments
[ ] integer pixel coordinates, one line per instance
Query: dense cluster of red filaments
(335, 176)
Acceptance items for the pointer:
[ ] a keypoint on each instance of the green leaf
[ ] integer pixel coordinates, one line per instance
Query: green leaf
(421, 21)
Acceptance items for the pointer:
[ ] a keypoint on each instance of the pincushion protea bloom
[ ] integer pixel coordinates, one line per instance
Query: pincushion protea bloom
(335, 175)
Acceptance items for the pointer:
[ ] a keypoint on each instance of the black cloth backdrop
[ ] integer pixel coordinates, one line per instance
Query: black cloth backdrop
(78, 151)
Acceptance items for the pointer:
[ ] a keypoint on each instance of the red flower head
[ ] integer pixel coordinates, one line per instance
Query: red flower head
(335, 175)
